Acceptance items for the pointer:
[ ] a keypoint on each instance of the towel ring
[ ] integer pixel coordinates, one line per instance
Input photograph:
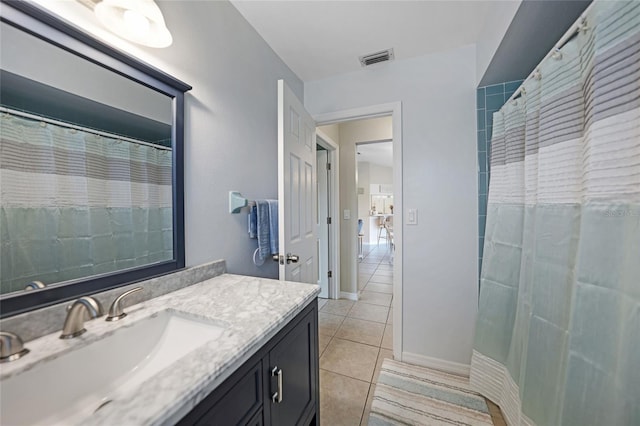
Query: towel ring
(257, 260)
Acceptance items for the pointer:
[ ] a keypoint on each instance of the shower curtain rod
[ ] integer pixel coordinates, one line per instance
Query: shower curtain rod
(83, 129)
(575, 28)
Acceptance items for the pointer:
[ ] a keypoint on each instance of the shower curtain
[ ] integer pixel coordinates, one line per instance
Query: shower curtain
(558, 330)
(74, 203)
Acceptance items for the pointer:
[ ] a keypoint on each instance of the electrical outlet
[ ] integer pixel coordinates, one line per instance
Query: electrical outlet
(412, 216)
(346, 215)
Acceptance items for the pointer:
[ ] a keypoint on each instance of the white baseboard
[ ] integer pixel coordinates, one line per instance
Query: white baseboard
(349, 296)
(437, 364)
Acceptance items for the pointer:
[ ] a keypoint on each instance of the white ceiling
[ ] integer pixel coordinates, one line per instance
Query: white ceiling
(380, 153)
(318, 39)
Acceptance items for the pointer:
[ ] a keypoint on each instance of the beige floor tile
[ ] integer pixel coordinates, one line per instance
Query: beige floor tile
(321, 303)
(362, 281)
(349, 358)
(323, 342)
(385, 267)
(338, 306)
(390, 317)
(368, 312)
(384, 353)
(342, 399)
(328, 324)
(361, 285)
(379, 288)
(384, 272)
(377, 257)
(387, 338)
(374, 298)
(367, 332)
(370, 261)
(367, 268)
(382, 279)
(367, 407)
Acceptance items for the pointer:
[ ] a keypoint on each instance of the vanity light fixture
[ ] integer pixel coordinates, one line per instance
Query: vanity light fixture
(139, 21)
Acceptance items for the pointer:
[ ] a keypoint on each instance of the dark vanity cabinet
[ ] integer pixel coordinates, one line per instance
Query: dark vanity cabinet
(276, 386)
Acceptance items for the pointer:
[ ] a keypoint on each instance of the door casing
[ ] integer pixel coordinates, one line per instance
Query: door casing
(333, 151)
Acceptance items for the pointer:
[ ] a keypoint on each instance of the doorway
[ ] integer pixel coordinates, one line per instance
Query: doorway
(374, 163)
(362, 328)
(348, 208)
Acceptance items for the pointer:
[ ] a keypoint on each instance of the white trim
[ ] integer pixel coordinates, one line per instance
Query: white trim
(437, 364)
(334, 158)
(349, 296)
(395, 110)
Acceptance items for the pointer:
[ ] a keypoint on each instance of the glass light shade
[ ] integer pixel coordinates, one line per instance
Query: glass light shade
(139, 21)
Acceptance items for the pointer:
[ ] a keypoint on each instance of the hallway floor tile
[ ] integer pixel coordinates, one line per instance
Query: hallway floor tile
(353, 345)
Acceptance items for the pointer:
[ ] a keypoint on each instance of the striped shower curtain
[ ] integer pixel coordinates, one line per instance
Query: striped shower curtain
(75, 204)
(558, 330)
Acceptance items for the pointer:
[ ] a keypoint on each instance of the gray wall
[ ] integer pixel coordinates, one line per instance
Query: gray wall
(231, 125)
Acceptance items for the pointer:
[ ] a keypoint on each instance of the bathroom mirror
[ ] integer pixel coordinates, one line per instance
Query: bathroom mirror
(91, 186)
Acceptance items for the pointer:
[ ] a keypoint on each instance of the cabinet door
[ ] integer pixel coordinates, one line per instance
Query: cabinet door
(235, 402)
(293, 374)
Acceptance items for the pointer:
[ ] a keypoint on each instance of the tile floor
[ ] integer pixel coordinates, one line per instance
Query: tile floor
(354, 339)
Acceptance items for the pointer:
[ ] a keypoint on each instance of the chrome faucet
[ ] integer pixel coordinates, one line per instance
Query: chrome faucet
(11, 347)
(74, 324)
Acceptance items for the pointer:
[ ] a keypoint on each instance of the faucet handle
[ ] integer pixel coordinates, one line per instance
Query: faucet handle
(115, 311)
(11, 347)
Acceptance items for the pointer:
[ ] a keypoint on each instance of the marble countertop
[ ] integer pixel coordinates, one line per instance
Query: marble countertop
(254, 310)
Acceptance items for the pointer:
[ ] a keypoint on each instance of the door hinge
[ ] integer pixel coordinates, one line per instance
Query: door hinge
(328, 166)
(328, 221)
(330, 274)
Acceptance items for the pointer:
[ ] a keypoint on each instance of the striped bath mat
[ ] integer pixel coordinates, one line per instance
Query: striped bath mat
(410, 395)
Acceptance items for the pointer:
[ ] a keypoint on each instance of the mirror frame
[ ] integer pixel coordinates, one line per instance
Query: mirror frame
(37, 22)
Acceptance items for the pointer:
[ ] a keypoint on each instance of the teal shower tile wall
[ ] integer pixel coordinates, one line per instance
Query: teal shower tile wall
(489, 100)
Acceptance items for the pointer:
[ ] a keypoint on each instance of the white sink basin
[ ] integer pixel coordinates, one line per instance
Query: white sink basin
(69, 389)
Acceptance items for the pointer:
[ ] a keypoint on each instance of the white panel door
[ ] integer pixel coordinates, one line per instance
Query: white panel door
(297, 214)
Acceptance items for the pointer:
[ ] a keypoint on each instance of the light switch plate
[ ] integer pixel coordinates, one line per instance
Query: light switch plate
(412, 216)
(346, 214)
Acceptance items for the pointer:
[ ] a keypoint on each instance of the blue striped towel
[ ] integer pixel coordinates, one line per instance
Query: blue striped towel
(266, 215)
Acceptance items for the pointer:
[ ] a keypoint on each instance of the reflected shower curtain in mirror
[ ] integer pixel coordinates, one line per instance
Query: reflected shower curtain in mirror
(558, 329)
(76, 204)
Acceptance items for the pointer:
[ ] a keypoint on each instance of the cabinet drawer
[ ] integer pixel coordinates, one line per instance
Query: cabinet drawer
(234, 403)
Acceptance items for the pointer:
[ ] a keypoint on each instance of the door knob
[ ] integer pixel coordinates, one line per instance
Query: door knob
(292, 258)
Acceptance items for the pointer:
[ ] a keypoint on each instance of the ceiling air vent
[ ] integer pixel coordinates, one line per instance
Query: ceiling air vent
(375, 58)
